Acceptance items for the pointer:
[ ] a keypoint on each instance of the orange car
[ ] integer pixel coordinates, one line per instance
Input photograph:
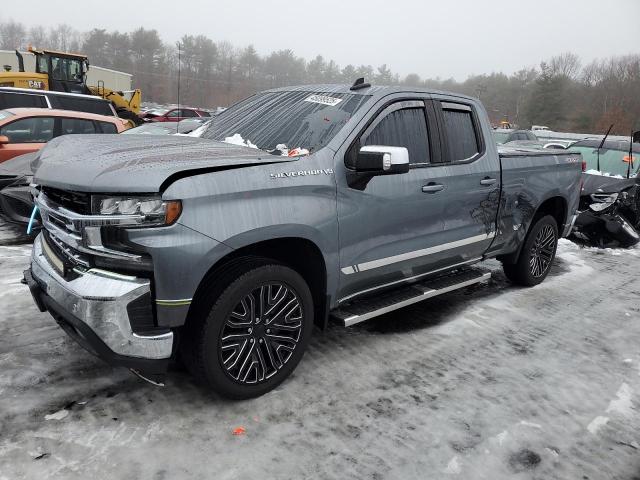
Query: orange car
(26, 130)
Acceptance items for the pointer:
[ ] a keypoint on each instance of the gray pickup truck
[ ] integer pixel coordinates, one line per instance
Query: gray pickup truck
(294, 206)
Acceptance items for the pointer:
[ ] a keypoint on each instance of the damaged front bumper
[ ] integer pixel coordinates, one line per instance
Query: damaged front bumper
(95, 308)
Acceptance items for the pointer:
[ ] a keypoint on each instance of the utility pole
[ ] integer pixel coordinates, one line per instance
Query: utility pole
(179, 70)
(480, 89)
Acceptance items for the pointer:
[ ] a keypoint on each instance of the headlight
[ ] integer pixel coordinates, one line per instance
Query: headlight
(147, 210)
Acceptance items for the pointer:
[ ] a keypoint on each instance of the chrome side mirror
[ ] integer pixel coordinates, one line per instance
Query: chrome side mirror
(382, 160)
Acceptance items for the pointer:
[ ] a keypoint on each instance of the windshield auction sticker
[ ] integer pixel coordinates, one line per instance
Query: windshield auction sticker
(324, 100)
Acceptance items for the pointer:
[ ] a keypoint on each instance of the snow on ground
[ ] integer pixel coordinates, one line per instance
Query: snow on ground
(490, 382)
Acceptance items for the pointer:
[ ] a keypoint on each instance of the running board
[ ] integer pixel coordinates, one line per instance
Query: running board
(359, 311)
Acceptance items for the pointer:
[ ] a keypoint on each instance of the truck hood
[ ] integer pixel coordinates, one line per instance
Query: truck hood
(604, 184)
(136, 163)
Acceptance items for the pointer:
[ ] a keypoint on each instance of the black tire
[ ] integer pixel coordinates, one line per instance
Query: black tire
(129, 115)
(537, 254)
(235, 349)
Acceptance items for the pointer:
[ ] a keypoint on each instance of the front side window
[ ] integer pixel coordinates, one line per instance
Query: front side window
(174, 113)
(460, 130)
(29, 130)
(43, 65)
(403, 128)
(188, 113)
(69, 126)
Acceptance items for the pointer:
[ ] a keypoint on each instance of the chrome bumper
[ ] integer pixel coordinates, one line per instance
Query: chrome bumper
(99, 300)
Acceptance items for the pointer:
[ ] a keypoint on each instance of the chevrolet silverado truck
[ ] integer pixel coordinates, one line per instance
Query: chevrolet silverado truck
(296, 205)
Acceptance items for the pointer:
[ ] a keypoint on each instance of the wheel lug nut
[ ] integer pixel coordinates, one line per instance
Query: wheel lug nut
(261, 340)
(250, 330)
(268, 330)
(251, 341)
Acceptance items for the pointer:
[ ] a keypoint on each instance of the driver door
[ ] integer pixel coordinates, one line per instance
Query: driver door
(383, 220)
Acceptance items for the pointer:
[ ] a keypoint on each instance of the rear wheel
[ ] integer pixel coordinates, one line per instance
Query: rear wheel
(537, 255)
(255, 333)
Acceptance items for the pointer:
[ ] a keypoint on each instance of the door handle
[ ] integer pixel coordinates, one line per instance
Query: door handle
(432, 187)
(488, 181)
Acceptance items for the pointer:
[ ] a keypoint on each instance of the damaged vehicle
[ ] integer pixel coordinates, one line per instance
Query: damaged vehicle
(16, 202)
(295, 205)
(610, 200)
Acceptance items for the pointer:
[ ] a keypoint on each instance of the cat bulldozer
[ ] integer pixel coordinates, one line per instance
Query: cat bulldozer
(67, 72)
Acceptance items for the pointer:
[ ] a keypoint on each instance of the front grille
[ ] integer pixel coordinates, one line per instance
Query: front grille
(77, 202)
(66, 252)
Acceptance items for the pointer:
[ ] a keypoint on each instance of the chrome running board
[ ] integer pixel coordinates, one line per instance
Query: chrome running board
(359, 311)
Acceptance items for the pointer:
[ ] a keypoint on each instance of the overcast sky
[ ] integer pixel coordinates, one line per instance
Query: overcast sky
(444, 38)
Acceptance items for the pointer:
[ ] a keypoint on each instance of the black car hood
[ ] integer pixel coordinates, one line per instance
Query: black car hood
(19, 165)
(136, 163)
(604, 184)
(17, 170)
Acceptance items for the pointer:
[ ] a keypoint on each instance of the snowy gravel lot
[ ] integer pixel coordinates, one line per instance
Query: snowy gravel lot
(487, 383)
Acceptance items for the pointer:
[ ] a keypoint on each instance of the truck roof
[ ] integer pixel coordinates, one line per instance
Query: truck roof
(374, 90)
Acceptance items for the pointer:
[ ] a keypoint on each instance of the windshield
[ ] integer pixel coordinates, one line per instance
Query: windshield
(5, 114)
(66, 69)
(285, 120)
(612, 161)
(500, 137)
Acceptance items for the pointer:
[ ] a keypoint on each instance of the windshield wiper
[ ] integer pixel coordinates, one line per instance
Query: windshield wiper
(600, 146)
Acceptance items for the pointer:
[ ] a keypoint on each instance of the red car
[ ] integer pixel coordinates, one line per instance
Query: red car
(177, 114)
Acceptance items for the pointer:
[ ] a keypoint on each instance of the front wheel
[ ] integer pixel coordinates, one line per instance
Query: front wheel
(537, 254)
(255, 334)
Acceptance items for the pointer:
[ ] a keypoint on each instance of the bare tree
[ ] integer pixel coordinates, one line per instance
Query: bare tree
(566, 64)
(12, 35)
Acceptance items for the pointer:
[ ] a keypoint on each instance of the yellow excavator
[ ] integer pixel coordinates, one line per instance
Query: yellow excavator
(67, 72)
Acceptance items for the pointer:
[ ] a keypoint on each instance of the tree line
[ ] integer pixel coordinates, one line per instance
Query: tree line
(560, 93)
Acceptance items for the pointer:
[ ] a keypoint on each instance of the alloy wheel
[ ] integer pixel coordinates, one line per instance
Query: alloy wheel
(261, 333)
(542, 251)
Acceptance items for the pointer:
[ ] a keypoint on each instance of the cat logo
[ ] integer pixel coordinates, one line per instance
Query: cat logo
(39, 84)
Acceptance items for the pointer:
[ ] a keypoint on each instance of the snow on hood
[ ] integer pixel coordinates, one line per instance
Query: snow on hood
(237, 139)
(283, 150)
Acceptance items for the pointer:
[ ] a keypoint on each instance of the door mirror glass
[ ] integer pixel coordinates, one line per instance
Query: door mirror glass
(382, 160)
(636, 137)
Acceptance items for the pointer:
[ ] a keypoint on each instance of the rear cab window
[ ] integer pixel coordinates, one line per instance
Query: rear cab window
(462, 132)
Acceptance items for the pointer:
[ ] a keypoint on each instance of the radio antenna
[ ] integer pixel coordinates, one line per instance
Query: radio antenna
(178, 100)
